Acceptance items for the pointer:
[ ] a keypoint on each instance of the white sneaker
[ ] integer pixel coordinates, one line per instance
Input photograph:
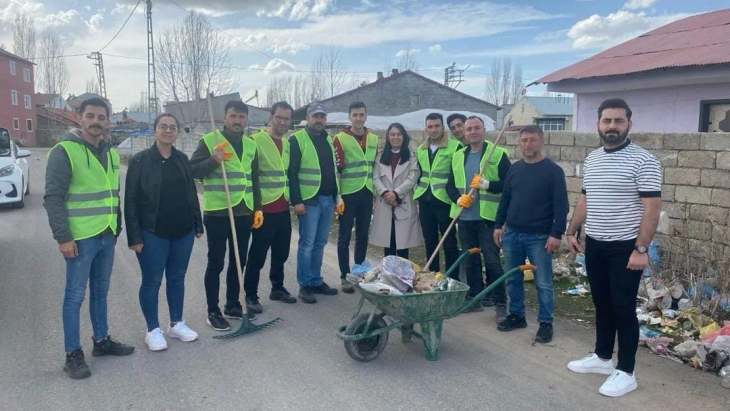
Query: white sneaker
(181, 331)
(618, 384)
(591, 364)
(155, 340)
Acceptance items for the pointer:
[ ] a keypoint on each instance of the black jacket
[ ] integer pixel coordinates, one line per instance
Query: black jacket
(142, 192)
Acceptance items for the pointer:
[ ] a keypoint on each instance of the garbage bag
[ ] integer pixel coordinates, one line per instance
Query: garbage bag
(398, 272)
(721, 343)
(380, 288)
(687, 349)
(360, 269)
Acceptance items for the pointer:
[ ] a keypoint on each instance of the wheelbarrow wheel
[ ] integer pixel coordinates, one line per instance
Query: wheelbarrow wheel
(366, 349)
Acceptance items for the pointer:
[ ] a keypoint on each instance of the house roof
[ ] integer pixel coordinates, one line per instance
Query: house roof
(552, 106)
(196, 111)
(700, 40)
(63, 116)
(136, 116)
(14, 56)
(396, 76)
(75, 101)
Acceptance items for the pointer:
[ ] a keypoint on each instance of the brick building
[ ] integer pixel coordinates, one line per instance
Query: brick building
(17, 89)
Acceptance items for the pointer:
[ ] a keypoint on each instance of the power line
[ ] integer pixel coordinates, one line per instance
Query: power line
(123, 25)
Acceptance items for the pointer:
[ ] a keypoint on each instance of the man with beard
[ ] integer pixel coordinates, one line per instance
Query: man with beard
(455, 122)
(534, 205)
(82, 201)
(313, 187)
(620, 207)
(237, 153)
(434, 205)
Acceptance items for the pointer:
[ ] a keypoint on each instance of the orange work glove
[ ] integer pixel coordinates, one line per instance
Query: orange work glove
(479, 183)
(222, 144)
(227, 155)
(340, 207)
(465, 201)
(258, 219)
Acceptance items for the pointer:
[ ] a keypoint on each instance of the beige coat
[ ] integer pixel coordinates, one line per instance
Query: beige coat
(407, 227)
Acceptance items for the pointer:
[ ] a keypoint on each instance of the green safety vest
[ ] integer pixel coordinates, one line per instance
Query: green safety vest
(238, 173)
(273, 166)
(437, 176)
(310, 175)
(357, 171)
(92, 199)
(488, 202)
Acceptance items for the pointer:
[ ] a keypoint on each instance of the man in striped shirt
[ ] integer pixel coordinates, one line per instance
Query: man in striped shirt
(620, 207)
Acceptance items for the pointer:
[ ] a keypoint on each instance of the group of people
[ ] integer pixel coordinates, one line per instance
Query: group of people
(520, 209)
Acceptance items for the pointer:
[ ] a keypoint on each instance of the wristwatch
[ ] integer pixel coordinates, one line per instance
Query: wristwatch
(642, 249)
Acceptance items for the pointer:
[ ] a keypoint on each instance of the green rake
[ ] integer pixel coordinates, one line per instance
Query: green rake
(247, 327)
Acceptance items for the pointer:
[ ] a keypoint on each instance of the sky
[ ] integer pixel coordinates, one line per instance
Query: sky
(271, 38)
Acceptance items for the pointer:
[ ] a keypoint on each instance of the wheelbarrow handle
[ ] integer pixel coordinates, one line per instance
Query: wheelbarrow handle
(492, 286)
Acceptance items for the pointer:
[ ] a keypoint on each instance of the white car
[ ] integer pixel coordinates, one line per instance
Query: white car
(14, 172)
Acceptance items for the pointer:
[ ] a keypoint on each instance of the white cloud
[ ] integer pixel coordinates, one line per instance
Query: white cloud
(252, 39)
(602, 32)
(96, 19)
(367, 3)
(297, 9)
(403, 53)
(639, 4)
(274, 65)
(31, 8)
(291, 47)
(436, 48)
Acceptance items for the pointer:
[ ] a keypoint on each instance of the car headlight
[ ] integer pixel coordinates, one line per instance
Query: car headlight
(6, 171)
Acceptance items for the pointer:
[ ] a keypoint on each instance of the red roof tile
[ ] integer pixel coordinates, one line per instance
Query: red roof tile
(694, 41)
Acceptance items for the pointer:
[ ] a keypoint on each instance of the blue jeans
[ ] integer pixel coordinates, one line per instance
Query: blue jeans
(169, 257)
(518, 246)
(314, 229)
(93, 265)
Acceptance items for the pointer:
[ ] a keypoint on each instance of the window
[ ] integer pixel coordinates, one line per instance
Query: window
(16, 124)
(553, 124)
(29, 124)
(14, 97)
(26, 75)
(415, 100)
(12, 67)
(27, 101)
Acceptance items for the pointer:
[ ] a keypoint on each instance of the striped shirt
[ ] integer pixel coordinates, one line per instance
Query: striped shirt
(614, 181)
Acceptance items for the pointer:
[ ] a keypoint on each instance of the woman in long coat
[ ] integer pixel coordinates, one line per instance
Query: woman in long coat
(395, 219)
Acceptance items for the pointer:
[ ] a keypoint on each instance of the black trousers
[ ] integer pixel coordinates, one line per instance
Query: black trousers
(480, 234)
(358, 210)
(393, 249)
(275, 233)
(218, 232)
(614, 289)
(435, 220)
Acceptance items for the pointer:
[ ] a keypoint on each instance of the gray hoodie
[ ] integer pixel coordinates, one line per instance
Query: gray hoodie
(58, 178)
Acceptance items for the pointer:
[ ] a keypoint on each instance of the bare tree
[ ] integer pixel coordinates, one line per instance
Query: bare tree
(504, 82)
(193, 57)
(53, 75)
(24, 43)
(92, 86)
(329, 75)
(506, 79)
(493, 89)
(407, 59)
(517, 83)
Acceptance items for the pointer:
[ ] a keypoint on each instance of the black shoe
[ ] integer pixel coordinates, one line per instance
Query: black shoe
(512, 322)
(488, 302)
(475, 308)
(347, 287)
(545, 333)
(234, 312)
(282, 295)
(324, 289)
(218, 322)
(108, 346)
(253, 306)
(307, 295)
(75, 366)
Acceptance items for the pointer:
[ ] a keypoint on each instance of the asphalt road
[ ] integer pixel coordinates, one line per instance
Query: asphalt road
(299, 364)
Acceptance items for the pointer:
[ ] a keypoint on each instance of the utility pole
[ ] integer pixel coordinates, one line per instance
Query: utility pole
(99, 64)
(453, 76)
(151, 83)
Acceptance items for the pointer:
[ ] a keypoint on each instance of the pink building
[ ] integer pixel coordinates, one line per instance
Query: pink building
(17, 90)
(675, 78)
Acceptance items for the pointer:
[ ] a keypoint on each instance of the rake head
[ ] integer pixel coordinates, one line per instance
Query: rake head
(247, 327)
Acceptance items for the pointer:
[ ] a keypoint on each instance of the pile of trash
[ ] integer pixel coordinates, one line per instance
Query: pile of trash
(398, 276)
(571, 267)
(674, 328)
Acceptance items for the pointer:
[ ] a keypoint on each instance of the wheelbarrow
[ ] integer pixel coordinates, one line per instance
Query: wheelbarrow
(367, 334)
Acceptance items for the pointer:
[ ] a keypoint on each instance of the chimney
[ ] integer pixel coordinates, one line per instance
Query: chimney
(380, 75)
(395, 71)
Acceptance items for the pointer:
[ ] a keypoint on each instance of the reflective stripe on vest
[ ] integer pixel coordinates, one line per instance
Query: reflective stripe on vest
(92, 200)
(238, 173)
(357, 171)
(438, 175)
(488, 202)
(310, 175)
(273, 166)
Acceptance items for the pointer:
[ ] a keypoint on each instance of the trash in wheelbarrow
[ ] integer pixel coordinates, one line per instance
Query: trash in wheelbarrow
(396, 276)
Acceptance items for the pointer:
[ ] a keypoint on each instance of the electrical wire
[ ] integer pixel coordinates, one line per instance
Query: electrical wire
(121, 28)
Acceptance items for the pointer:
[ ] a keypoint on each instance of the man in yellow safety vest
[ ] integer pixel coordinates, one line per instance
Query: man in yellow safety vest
(82, 202)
